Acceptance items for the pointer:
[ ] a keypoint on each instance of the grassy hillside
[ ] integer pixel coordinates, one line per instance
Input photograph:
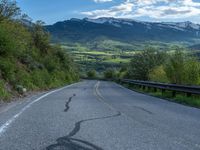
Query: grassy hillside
(27, 60)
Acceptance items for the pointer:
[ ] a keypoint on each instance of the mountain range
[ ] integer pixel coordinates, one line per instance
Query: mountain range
(123, 30)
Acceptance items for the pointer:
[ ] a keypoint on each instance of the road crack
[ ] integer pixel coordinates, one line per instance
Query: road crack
(70, 143)
(68, 102)
(143, 109)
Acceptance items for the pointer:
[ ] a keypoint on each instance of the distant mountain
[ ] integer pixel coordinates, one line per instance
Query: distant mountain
(123, 30)
(195, 47)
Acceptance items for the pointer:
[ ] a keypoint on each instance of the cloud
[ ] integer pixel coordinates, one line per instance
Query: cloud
(115, 11)
(155, 9)
(102, 1)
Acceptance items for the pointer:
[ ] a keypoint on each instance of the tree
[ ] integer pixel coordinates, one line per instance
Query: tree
(158, 74)
(175, 67)
(192, 71)
(8, 9)
(183, 68)
(143, 62)
(40, 37)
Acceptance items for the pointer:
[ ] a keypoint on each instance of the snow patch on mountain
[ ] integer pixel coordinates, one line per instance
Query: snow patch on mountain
(118, 22)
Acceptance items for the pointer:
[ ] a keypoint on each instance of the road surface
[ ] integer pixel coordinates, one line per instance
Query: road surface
(98, 115)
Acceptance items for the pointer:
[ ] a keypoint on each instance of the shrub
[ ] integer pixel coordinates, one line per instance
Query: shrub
(191, 72)
(183, 69)
(91, 74)
(174, 68)
(158, 74)
(110, 74)
(4, 94)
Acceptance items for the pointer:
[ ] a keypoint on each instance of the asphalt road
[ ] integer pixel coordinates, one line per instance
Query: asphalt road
(97, 115)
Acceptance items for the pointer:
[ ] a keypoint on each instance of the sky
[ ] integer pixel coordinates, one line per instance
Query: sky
(51, 11)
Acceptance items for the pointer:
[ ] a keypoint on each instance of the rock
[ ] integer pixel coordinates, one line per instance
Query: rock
(20, 89)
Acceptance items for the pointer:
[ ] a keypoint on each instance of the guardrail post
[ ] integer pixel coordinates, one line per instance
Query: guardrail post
(149, 88)
(189, 94)
(173, 93)
(163, 91)
(174, 88)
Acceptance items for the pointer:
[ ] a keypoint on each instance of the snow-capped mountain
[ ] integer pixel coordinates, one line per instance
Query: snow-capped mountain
(126, 30)
(118, 22)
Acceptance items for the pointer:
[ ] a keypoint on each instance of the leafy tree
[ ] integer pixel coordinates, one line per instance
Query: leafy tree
(182, 68)
(175, 67)
(8, 9)
(192, 71)
(143, 62)
(40, 37)
(158, 74)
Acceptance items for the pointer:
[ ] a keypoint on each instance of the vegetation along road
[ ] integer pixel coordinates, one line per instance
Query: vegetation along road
(98, 115)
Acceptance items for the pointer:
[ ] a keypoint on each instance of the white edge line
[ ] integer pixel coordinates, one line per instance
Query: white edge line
(11, 120)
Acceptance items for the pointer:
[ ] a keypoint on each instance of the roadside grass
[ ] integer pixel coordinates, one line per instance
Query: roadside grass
(181, 98)
(4, 94)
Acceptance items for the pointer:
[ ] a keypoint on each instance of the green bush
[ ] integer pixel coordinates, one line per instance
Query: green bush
(181, 68)
(4, 94)
(110, 74)
(192, 72)
(175, 67)
(158, 74)
(8, 68)
(91, 74)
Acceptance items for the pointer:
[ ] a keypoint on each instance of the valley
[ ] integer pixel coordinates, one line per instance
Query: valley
(110, 43)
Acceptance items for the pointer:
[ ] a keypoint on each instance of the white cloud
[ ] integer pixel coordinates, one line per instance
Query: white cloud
(115, 11)
(155, 9)
(102, 1)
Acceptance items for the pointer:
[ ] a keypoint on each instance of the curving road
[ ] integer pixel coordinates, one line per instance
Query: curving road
(97, 115)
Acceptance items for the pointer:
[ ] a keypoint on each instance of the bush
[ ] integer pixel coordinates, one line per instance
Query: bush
(110, 74)
(4, 94)
(91, 74)
(175, 67)
(183, 69)
(158, 74)
(8, 68)
(191, 72)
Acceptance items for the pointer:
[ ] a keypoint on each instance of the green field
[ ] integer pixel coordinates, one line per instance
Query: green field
(108, 54)
(89, 59)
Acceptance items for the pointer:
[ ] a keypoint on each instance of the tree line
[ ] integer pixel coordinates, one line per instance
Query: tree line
(177, 67)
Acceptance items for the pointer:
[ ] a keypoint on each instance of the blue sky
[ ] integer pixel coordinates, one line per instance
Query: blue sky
(51, 11)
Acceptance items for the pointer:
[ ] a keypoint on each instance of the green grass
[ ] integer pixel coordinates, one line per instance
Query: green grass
(4, 94)
(117, 60)
(181, 98)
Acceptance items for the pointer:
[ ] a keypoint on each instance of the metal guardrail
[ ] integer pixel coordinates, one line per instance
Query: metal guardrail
(189, 90)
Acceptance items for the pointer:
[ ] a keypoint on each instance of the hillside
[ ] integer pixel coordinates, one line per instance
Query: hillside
(28, 61)
(123, 30)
